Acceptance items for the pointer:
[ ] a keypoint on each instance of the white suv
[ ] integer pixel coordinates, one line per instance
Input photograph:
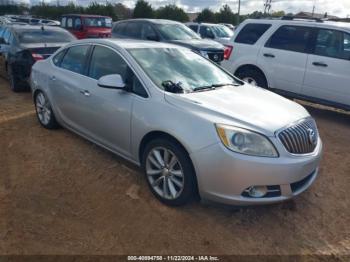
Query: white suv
(298, 58)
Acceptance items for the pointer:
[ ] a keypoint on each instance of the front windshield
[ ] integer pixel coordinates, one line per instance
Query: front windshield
(98, 22)
(176, 32)
(222, 31)
(181, 66)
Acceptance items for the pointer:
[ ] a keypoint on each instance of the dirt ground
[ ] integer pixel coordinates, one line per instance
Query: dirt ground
(60, 194)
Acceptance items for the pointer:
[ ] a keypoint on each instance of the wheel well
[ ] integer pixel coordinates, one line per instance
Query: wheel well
(36, 93)
(250, 67)
(159, 134)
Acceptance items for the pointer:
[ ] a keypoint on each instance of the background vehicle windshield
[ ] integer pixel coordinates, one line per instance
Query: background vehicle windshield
(222, 31)
(98, 22)
(176, 32)
(180, 66)
(31, 36)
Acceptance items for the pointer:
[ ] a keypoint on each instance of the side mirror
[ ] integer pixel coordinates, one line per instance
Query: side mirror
(2, 41)
(152, 38)
(111, 81)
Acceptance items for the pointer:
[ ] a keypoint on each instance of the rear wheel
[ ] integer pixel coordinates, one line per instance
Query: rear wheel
(169, 172)
(44, 111)
(252, 76)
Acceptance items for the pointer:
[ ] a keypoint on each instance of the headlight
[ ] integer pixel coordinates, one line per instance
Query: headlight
(245, 142)
(204, 54)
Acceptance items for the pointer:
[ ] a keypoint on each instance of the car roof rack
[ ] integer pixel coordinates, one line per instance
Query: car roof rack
(310, 19)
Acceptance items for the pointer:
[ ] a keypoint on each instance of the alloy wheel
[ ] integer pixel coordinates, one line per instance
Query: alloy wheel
(43, 109)
(164, 173)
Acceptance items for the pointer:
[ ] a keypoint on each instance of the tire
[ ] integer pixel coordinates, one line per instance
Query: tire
(247, 74)
(44, 111)
(15, 84)
(182, 186)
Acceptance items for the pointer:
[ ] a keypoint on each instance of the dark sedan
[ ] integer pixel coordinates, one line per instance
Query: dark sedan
(171, 32)
(22, 45)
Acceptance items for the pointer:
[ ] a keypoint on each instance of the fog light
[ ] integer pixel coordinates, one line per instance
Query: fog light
(257, 191)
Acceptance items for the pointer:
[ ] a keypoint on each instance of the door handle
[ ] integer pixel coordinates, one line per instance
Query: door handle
(53, 78)
(319, 64)
(269, 55)
(85, 92)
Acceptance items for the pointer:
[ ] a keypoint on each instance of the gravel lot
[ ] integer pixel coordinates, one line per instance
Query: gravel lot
(63, 195)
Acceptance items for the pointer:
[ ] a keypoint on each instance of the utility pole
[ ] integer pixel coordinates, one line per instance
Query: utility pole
(313, 9)
(239, 12)
(267, 5)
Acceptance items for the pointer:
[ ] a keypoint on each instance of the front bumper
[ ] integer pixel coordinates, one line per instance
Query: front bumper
(224, 176)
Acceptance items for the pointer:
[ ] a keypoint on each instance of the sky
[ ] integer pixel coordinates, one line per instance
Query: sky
(333, 7)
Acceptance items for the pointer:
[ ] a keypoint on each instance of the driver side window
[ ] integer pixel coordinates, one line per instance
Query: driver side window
(105, 61)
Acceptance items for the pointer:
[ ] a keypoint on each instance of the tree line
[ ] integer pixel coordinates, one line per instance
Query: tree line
(118, 11)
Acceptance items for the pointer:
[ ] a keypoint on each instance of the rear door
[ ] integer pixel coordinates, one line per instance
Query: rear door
(284, 57)
(66, 84)
(328, 68)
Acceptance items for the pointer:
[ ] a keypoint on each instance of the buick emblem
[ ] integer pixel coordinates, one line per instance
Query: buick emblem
(216, 57)
(312, 136)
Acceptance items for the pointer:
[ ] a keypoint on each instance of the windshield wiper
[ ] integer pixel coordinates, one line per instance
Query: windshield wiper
(212, 87)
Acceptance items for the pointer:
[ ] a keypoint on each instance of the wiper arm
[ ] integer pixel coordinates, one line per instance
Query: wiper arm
(211, 87)
(172, 87)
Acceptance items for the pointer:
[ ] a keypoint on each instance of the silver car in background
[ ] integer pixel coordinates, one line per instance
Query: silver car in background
(193, 127)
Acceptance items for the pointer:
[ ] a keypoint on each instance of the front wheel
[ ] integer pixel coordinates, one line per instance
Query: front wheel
(169, 172)
(44, 111)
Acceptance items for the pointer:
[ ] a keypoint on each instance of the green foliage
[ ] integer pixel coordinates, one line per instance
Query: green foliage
(13, 9)
(143, 10)
(206, 16)
(172, 12)
(225, 15)
(278, 14)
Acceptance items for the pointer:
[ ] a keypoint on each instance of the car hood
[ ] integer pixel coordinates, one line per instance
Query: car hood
(244, 106)
(199, 44)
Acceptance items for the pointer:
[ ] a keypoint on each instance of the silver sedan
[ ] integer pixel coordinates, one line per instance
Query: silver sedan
(193, 127)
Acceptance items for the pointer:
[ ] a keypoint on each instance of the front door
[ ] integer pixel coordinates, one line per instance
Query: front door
(106, 113)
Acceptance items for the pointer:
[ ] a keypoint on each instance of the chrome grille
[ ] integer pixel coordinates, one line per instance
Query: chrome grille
(301, 138)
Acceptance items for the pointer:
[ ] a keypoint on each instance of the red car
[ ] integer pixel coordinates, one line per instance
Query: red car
(87, 26)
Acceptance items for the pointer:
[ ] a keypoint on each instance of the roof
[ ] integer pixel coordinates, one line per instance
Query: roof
(154, 21)
(128, 43)
(313, 15)
(303, 22)
(35, 27)
(85, 15)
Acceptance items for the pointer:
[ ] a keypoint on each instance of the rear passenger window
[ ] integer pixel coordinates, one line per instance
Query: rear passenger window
(291, 38)
(194, 27)
(74, 60)
(133, 30)
(69, 22)
(77, 23)
(63, 21)
(251, 33)
(119, 29)
(332, 43)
